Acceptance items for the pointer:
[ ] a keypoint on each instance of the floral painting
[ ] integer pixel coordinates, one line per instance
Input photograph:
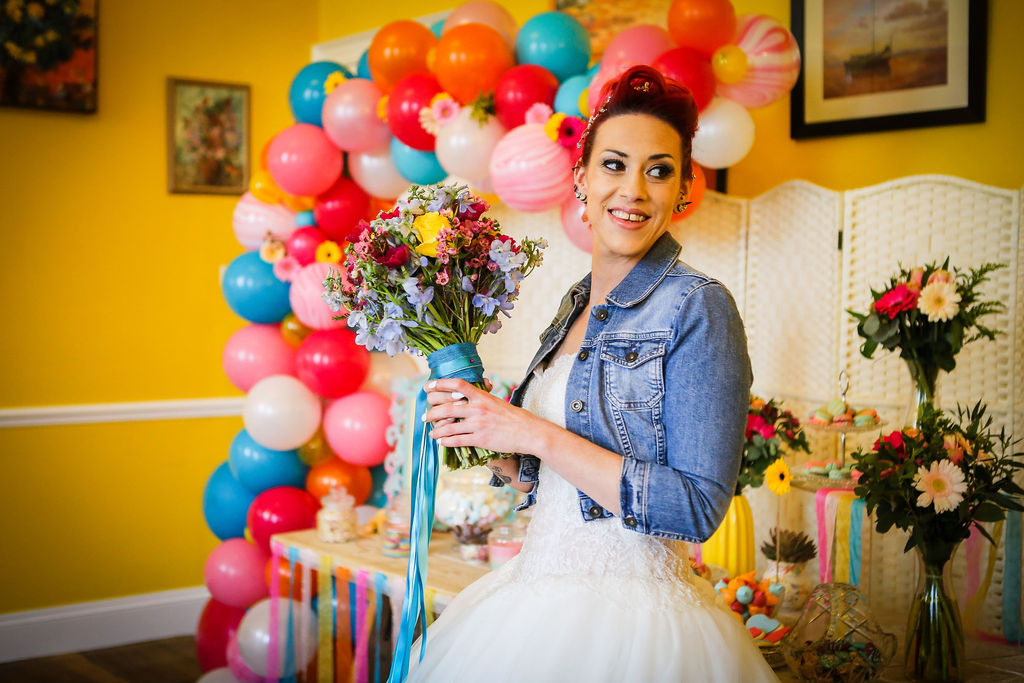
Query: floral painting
(48, 54)
(208, 137)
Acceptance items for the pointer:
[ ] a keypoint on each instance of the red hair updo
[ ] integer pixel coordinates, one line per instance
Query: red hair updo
(644, 90)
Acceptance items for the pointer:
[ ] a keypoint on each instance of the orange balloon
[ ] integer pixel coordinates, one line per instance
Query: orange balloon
(399, 50)
(284, 577)
(294, 331)
(704, 25)
(263, 187)
(697, 188)
(470, 60)
(355, 479)
(377, 205)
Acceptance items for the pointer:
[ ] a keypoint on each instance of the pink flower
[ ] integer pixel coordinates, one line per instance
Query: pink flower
(394, 257)
(914, 284)
(569, 131)
(954, 451)
(894, 439)
(538, 113)
(940, 276)
(444, 109)
(895, 301)
(757, 424)
(443, 277)
(286, 268)
(941, 485)
(474, 211)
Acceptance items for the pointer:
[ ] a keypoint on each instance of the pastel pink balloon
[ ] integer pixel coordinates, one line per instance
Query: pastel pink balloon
(597, 83)
(234, 573)
(237, 666)
(350, 116)
(356, 427)
(384, 369)
(303, 243)
(487, 13)
(253, 219)
(637, 45)
(376, 173)
(530, 171)
(464, 146)
(773, 61)
(576, 229)
(254, 352)
(306, 297)
(303, 161)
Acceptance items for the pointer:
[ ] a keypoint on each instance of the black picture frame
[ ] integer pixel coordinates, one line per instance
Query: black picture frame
(872, 121)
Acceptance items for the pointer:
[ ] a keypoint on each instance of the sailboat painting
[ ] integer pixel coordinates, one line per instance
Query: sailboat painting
(880, 45)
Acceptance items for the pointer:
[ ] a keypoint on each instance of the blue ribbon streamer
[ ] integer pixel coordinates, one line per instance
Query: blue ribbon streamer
(380, 584)
(289, 653)
(1011, 578)
(460, 361)
(856, 519)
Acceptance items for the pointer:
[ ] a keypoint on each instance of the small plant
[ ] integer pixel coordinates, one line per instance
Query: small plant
(785, 545)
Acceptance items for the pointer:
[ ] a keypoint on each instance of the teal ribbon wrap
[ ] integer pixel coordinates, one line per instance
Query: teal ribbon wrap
(459, 361)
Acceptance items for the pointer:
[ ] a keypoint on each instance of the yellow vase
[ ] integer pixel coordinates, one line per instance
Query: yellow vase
(732, 544)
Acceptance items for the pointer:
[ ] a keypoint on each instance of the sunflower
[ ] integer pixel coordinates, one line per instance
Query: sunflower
(777, 477)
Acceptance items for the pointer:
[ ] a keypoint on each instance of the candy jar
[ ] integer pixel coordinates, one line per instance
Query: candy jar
(395, 532)
(468, 505)
(336, 519)
(504, 542)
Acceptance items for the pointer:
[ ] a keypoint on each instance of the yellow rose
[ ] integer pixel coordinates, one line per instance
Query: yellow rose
(427, 227)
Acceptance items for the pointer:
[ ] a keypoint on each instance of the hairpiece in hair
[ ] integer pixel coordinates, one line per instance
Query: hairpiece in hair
(593, 117)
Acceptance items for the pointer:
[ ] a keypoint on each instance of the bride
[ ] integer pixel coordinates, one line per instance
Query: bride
(629, 441)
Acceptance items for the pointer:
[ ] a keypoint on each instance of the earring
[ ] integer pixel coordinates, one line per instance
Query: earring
(681, 206)
(579, 195)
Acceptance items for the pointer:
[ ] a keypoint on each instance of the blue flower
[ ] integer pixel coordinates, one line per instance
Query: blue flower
(501, 253)
(467, 284)
(333, 300)
(486, 304)
(512, 280)
(417, 297)
(442, 197)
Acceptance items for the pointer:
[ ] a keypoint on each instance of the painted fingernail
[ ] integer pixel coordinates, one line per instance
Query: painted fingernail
(431, 385)
(423, 417)
(457, 396)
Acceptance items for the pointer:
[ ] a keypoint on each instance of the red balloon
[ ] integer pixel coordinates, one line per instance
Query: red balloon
(217, 624)
(411, 94)
(338, 210)
(690, 68)
(279, 510)
(303, 243)
(331, 364)
(520, 88)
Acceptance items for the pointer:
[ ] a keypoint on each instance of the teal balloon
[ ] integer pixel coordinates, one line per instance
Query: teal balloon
(377, 497)
(305, 218)
(555, 41)
(226, 503)
(567, 99)
(363, 68)
(418, 167)
(306, 94)
(252, 291)
(259, 468)
(438, 27)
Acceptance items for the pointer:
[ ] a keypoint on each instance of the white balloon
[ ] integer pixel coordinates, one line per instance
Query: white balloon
(281, 413)
(464, 146)
(254, 636)
(376, 173)
(725, 133)
(221, 675)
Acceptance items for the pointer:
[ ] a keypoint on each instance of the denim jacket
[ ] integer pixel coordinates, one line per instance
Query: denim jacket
(662, 378)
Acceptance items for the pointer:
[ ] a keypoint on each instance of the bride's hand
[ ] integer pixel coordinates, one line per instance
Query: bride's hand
(463, 415)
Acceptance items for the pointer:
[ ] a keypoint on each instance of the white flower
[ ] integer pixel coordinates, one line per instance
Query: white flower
(939, 301)
(941, 485)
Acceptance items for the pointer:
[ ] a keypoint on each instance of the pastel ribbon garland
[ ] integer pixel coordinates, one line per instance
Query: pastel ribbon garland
(1011, 579)
(325, 622)
(273, 619)
(856, 534)
(843, 536)
(342, 624)
(463, 362)
(361, 640)
(289, 652)
(380, 586)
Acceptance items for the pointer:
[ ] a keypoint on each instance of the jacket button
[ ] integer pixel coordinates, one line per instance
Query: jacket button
(576, 406)
(631, 522)
(602, 314)
(595, 511)
(583, 355)
(631, 356)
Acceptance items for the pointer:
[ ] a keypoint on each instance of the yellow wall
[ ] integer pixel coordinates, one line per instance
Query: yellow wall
(109, 292)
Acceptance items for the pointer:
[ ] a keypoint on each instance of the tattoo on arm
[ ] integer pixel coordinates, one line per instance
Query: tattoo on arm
(505, 479)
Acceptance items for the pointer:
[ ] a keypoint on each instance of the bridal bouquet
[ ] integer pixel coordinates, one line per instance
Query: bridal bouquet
(432, 273)
(769, 430)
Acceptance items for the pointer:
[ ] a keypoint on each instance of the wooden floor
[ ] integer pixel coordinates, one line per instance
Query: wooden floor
(159, 661)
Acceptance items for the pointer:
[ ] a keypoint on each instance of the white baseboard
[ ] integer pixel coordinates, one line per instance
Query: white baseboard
(181, 409)
(103, 623)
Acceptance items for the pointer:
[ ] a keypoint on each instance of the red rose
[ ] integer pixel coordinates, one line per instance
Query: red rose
(353, 235)
(394, 257)
(393, 213)
(898, 299)
(475, 210)
(756, 424)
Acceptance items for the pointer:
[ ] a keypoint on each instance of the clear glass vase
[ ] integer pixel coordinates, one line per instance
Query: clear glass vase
(924, 379)
(934, 642)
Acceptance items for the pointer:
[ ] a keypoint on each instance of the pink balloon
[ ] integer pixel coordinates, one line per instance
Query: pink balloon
(376, 173)
(303, 243)
(464, 146)
(331, 364)
(306, 297)
(773, 61)
(277, 511)
(303, 161)
(530, 171)
(637, 45)
(596, 84)
(234, 573)
(350, 116)
(355, 427)
(253, 219)
(576, 229)
(239, 669)
(254, 352)
(487, 13)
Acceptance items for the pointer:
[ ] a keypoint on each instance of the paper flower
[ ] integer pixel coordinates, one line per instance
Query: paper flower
(538, 113)
(272, 251)
(941, 485)
(333, 80)
(382, 108)
(570, 130)
(939, 300)
(328, 251)
(443, 109)
(552, 125)
(286, 269)
(777, 477)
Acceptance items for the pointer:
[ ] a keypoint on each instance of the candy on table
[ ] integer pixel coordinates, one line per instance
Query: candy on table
(836, 660)
(839, 412)
(753, 603)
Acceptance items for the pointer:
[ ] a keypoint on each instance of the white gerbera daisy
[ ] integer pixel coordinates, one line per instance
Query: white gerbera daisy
(941, 485)
(939, 301)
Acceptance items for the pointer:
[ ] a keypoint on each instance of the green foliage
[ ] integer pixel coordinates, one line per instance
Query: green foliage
(769, 430)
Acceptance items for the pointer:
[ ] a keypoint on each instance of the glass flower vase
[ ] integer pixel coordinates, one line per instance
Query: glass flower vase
(732, 545)
(923, 378)
(934, 641)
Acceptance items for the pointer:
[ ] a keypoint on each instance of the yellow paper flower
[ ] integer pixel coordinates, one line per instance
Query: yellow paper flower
(272, 251)
(333, 80)
(777, 477)
(553, 124)
(328, 252)
(427, 227)
(382, 109)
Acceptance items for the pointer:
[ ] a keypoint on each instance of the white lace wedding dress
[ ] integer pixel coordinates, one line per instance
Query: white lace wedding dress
(586, 601)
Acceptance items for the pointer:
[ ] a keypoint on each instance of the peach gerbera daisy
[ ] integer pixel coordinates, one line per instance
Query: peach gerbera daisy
(941, 485)
(939, 301)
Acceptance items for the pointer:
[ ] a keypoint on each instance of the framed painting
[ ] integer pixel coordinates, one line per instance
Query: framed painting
(48, 55)
(875, 65)
(605, 19)
(207, 137)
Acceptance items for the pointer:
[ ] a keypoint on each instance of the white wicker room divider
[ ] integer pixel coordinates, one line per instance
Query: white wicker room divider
(780, 255)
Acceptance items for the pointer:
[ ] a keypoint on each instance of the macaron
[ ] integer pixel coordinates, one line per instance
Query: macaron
(867, 411)
(822, 415)
(837, 407)
(864, 421)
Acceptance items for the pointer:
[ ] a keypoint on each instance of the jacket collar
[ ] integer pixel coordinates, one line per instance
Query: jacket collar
(647, 274)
